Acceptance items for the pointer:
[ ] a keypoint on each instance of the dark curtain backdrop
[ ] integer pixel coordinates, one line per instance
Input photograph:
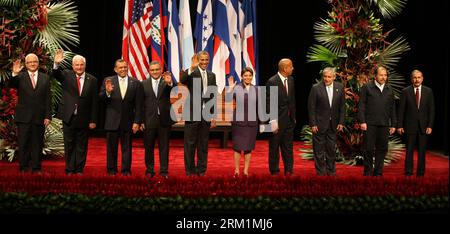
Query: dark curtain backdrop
(286, 30)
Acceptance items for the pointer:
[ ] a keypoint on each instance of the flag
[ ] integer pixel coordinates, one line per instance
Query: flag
(248, 48)
(221, 42)
(235, 45)
(174, 49)
(158, 22)
(204, 28)
(186, 40)
(136, 37)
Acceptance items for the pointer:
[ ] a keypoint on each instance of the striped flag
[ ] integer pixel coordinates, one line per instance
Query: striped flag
(248, 46)
(235, 39)
(186, 40)
(220, 64)
(174, 49)
(204, 28)
(136, 37)
(159, 23)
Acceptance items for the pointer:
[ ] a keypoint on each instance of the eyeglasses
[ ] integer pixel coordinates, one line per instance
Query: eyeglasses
(32, 62)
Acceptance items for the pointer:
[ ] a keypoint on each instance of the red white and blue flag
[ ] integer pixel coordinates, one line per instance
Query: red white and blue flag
(159, 23)
(136, 37)
(220, 63)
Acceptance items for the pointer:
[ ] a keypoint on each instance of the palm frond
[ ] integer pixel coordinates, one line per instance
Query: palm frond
(61, 30)
(53, 139)
(10, 2)
(325, 34)
(390, 8)
(397, 82)
(395, 150)
(319, 53)
(391, 55)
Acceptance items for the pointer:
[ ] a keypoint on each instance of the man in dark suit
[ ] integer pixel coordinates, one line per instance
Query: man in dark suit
(122, 96)
(377, 119)
(78, 109)
(156, 119)
(198, 117)
(33, 112)
(415, 120)
(326, 104)
(282, 127)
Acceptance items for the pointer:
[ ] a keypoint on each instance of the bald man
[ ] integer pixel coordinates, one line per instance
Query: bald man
(33, 112)
(281, 137)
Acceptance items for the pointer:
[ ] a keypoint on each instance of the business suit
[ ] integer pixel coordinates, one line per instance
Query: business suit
(158, 123)
(377, 110)
(120, 115)
(77, 111)
(34, 105)
(326, 118)
(286, 122)
(196, 130)
(415, 119)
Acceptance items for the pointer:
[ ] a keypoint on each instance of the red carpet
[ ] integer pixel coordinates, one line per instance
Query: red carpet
(220, 162)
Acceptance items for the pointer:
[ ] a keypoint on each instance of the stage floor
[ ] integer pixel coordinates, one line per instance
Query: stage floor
(220, 162)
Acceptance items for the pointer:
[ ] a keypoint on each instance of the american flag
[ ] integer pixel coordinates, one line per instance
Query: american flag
(136, 37)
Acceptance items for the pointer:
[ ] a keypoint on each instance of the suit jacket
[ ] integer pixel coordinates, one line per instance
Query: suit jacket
(376, 107)
(286, 102)
(247, 97)
(320, 112)
(122, 113)
(154, 103)
(86, 103)
(412, 118)
(34, 105)
(188, 80)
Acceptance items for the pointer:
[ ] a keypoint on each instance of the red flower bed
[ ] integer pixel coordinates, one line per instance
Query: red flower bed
(224, 186)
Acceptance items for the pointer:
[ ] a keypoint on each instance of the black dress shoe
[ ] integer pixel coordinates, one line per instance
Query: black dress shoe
(126, 173)
(149, 174)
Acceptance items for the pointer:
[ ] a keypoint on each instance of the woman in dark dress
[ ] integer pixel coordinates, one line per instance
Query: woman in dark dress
(245, 120)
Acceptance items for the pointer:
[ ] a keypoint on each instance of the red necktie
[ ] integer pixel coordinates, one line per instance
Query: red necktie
(417, 97)
(32, 80)
(285, 86)
(79, 85)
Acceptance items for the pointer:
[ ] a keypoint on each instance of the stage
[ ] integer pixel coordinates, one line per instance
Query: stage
(220, 162)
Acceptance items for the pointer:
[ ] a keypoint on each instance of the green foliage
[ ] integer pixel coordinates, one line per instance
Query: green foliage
(353, 40)
(22, 203)
(40, 27)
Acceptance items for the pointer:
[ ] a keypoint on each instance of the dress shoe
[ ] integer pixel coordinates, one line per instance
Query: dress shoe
(126, 173)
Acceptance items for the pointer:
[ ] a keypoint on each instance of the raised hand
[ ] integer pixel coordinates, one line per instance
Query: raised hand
(194, 62)
(231, 82)
(17, 67)
(109, 87)
(59, 56)
(167, 77)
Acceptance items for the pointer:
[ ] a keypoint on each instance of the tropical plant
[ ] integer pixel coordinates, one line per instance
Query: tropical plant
(40, 27)
(352, 40)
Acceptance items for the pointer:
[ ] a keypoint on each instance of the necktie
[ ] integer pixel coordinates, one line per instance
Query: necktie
(417, 97)
(205, 81)
(33, 83)
(285, 86)
(330, 94)
(123, 87)
(155, 87)
(79, 85)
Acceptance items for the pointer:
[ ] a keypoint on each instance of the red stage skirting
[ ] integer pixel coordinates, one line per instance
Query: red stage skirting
(220, 162)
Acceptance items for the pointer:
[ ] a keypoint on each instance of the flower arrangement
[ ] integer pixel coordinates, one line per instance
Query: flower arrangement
(32, 26)
(352, 39)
